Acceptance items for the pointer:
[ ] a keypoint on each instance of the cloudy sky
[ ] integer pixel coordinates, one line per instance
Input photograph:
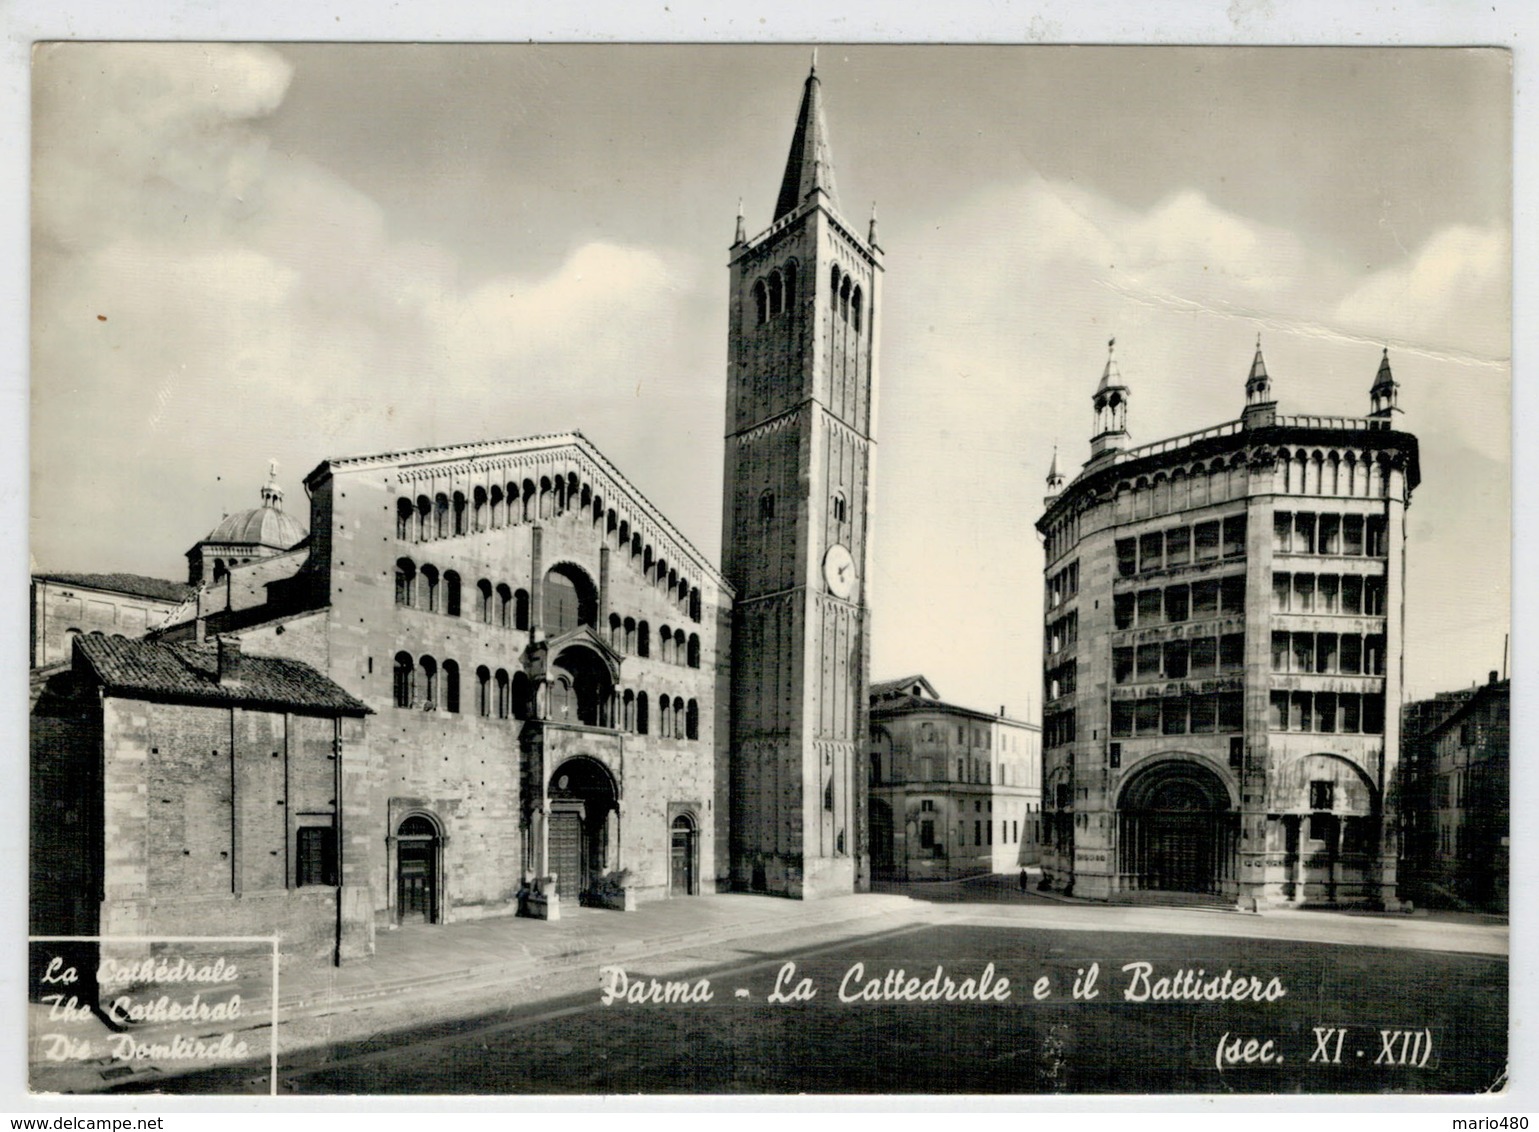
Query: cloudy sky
(307, 251)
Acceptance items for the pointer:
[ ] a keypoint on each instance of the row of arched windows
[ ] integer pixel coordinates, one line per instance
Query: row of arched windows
(845, 298)
(427, 589)
(445, 515)
(634, 638)
(426, 684)
(776, 293)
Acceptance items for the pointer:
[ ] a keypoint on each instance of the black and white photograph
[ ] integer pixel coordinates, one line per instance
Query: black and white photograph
(756, 569)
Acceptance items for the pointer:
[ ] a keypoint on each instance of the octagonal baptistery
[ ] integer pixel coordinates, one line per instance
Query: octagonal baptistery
(1222, 656)
(545, 653)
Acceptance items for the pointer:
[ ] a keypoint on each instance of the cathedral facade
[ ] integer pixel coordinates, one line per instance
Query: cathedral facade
(1222, 659)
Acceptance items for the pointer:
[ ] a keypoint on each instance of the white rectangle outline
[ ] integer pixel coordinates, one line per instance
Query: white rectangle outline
(272, 940)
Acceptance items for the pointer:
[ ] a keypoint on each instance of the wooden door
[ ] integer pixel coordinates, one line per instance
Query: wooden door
(414, 882)
(566, 853)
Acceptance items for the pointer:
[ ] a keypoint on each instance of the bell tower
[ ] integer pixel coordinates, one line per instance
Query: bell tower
(801, 389)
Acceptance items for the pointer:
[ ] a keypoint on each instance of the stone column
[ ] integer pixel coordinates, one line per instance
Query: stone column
(536, 584)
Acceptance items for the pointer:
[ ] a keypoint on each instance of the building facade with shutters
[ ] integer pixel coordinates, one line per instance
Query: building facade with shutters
(953, 791)
(1222, 655)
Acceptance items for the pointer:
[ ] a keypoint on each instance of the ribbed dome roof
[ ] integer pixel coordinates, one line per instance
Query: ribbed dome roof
(266, 525)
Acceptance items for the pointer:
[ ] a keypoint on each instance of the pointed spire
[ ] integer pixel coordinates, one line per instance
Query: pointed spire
(1054, 476)
(1260, 407)
(741, 236)
(809, 166)
(1111, 376)
(871, 233)
(1111, 408)
(1384, 394)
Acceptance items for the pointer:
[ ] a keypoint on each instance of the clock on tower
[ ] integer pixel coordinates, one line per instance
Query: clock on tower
(801, 382)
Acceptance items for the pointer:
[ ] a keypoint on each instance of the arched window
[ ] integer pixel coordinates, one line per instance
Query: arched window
(494, 506)
(441, 515)
(478, 509)
(628, 718)
(680, 647)
(504, 606)
(405, 581)
(504, 704)
(529, 501)
(424, 518)
(219, 570)
(844, 298)
(694, 604)
(694, 650)
(451, 678)
(570, 600)
(403, 516)
(766, 505)
(833, 287)
(856, 306)
(483, 691)
(692, 720)
(405, 679)
(429, 684)
(522, 694)
(643, 639)
(641, 713)
(776, 293)
(630, 635)
(616, 633)
(545, 497)
(451, 593)
(841, 509)
(430, 584)
(459, 512)
(485, 612)
(665, 644)
(520, 609)
(665, 717)
(761, 301)
(558, 496)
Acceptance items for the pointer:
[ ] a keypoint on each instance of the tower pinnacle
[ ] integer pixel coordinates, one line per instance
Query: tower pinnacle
(1111, 408)
(1384, 394)
(809, 166)
(1260, 406)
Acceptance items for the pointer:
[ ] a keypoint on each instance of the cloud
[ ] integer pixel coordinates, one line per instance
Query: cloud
(1453, 296)
(198, 293)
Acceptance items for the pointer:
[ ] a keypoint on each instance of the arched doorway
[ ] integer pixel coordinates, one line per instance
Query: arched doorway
(682, 872)
(417, 845)
(1176, 830)
(881, 837)
(584, 834)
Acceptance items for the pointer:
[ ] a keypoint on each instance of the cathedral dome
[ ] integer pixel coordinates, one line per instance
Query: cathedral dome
(260, 526)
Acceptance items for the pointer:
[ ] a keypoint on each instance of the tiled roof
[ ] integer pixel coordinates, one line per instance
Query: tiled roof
(884, 688)
(136, 584)
(190, 673)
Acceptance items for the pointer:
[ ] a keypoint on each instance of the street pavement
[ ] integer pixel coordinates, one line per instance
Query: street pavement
(437, 976)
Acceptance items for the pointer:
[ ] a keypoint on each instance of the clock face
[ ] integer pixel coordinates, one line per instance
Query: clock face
(839, 571)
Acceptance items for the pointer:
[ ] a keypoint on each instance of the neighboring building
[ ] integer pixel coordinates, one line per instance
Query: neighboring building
(801, 382)
(188, 790)
(245, 537)
(544, 652)
(953, 791)
(1455, 799)
(123, 605)
(1222, 667)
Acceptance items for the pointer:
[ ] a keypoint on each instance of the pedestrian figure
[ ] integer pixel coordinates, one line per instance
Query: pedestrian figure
(1023, 878)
